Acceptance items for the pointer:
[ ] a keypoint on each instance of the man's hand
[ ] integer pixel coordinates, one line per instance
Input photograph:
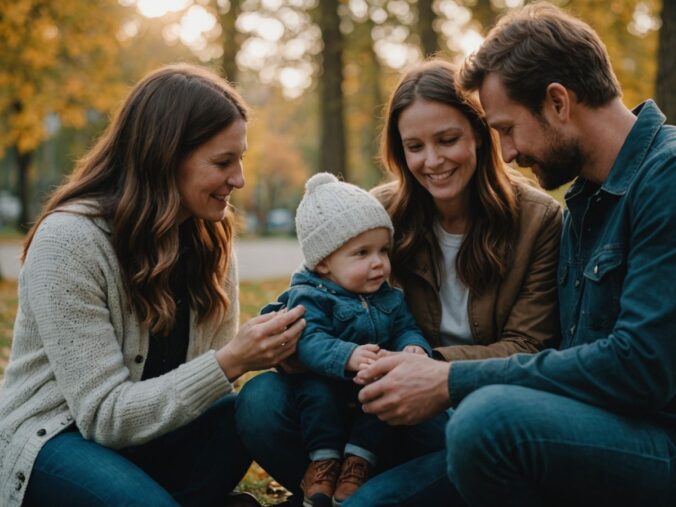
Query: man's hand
(362, 357)
(404, 388)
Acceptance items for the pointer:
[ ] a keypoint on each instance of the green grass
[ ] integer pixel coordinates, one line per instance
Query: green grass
(253, 295)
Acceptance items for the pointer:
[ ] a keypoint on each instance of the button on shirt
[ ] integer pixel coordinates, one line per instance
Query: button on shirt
(617, 288)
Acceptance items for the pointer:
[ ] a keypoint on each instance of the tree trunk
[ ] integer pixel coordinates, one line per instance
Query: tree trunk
(332, 150)
(429, 41)
(23, 160)
(231, 37)
(370, 145)
(666, 63)
(485, 14)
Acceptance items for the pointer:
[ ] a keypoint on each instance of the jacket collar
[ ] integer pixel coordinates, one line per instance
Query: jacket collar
(305, 276)
(633, 152)
(648, 122)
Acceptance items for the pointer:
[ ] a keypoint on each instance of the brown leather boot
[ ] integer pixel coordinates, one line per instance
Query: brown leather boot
(319, 482)
(354, 473)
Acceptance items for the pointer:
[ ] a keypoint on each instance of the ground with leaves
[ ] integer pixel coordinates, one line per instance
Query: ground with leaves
(252, 297)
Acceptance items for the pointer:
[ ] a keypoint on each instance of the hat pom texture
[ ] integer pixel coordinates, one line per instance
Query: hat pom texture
(319, 179)
(333, 212)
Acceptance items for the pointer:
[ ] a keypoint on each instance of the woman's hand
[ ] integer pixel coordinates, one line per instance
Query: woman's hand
(362, 357)
(261, 343)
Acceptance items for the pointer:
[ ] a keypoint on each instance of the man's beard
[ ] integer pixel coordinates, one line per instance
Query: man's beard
(561, 163)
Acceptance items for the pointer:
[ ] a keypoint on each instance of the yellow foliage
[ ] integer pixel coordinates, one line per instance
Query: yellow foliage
(58, 57)
(274, 167)
(633, 56)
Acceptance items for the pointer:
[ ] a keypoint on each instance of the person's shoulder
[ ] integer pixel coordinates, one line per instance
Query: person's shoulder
(663, 151)
(71, 231)
(533, 200)
(529, 191)
(306, 293)
(68, 225)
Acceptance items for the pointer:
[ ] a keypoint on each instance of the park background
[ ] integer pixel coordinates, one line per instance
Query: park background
(317, 74)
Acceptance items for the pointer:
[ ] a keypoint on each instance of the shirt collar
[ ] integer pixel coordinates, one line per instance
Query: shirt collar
(632, 154)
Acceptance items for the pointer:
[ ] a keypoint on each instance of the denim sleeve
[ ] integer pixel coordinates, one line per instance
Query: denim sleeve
(634, 367)
(318, 348)
(405, 331)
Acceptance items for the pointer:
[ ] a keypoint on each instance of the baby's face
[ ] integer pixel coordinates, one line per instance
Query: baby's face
(362, 264)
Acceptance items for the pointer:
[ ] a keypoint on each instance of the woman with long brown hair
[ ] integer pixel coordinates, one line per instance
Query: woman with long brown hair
(475, 250)
(126, 343)
(476, 245)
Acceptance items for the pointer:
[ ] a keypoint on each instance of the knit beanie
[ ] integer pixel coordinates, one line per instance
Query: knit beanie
(333, 212)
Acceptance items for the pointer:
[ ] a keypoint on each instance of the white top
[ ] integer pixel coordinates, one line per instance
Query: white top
(454, 294)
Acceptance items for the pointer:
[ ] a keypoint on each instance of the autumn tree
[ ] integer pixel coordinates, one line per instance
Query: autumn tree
(486, 13)
(231, 38)
(629, 31)
(332, 146)
(666, 62)
(429, 41)
(57, 58)
(274, 166)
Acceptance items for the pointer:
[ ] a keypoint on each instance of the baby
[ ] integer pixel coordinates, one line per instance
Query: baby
(351, 312)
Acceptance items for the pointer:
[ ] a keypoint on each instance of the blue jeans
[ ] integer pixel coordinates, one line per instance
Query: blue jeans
(510, 445)
(329, 420)
(269, 423)
(198, 464)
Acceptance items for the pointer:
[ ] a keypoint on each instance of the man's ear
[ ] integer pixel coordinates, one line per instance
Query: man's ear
(558, 99)
(322, 268)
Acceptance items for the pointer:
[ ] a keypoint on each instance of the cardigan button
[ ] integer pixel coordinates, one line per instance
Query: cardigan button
(20, 476)
(41, 432)
(138, 359)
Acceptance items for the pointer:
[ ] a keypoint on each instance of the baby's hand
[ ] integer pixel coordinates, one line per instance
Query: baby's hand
(415, 349)
(362, 356)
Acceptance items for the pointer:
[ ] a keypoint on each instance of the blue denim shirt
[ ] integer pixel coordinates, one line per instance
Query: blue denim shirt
(617, 288)
(337, 321)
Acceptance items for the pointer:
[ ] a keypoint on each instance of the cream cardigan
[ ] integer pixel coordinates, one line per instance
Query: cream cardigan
(79, 350)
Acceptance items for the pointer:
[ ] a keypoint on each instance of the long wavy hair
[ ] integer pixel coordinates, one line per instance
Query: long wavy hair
(131, 176)
(486, 250)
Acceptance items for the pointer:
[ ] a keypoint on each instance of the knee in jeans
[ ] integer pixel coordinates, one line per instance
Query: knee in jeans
(260, 398)
(487, 422)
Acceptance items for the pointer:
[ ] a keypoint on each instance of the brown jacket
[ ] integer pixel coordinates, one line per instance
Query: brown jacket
(520, 314)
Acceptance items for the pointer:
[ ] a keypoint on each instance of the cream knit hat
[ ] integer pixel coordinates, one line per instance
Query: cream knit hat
(333, 212)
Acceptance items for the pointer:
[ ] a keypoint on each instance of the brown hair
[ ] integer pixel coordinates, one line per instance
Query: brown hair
(485, 252)
(539, 45)
(131, 174)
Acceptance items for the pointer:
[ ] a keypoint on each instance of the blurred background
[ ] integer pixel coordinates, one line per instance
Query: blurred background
(316, 73)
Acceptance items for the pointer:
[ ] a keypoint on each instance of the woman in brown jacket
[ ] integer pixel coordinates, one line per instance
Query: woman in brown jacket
(475, 250)
(476, 245)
